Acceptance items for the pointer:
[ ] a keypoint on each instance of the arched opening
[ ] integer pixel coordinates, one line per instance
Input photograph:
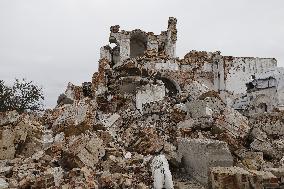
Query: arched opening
(262, 107)
(138, 45)
(115, 54)
(172, 88)
(87, 89)
(261, 104)
(128, 85)
(131, 72)
(219, 82)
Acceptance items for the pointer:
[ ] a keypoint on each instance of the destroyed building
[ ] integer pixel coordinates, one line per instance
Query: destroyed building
(264, 93)
(149, 119)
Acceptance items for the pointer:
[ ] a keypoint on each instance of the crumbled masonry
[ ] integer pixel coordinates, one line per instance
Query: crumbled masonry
(148, 119)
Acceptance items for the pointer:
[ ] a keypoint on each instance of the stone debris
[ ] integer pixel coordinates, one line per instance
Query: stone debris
(237, 177)
(161, 173)
(148, 119)
(3, 184)
(198, 155)
(9, 118)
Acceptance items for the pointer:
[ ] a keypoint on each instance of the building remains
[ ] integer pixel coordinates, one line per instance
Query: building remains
(149, 119)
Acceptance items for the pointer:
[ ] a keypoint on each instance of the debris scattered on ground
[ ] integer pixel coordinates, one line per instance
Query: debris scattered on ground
(151, 120)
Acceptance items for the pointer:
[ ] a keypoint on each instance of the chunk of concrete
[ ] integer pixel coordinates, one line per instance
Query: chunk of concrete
(198, 155)
(229, 178)
(235, 125)
(3, 184)
(109, 120)
(9, 118)
(263, 146)
(236, 177)
(7, 146)
(149, 93)
(161, 173)
(75, 118)
(88, 148)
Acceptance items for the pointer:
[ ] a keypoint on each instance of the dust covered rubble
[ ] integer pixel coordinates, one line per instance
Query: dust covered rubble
(146, 120)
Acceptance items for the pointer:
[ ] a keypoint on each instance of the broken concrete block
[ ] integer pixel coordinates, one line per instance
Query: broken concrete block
(197, 108)
(73, 113)
(161, 173)
(75, 118)
(263, 179)
(236, 177)
(198, 155)
(258, 134)
(186, 124)
(73, 92)
(142, 186)
(149, 93)
(271, 124)
(63, 99)
(278, 172)
(57, 174)
(88, 148)
(148, 142)
(195, 89)
(9, 118)
(3, 184)
(251, 160)
(109, 120)
(5, 170)
(229, 178)
(263, 146)
(17, 137)
(7, 146)
(92, 153)
(205, 107)
(233, 123)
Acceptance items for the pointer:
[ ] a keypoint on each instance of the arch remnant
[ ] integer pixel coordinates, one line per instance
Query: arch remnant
(138, 45)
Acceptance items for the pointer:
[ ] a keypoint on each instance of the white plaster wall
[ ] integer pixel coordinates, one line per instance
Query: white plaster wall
(124, 49)
(243, 68)
(241, 102)
(152, 45)
(267, 96)
(124, 43)
(104, 53)
(170, 46)
(280, 88)
(195, 89)
(218, 71)
(206, 82)
(149, 93)
(207, 67)
(69, 92)
(108, 120)
(186, 67)
(280, 96)
(167, 66)
(274, 95)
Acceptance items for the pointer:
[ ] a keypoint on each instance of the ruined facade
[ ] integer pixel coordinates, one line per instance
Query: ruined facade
(140, 54)
(149, 119)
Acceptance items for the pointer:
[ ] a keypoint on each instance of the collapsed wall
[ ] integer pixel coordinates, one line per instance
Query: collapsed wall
(149, 119)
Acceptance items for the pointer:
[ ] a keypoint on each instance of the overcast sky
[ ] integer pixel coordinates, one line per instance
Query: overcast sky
(53, 42)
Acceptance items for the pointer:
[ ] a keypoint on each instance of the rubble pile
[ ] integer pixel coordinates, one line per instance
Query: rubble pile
(148, 120)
